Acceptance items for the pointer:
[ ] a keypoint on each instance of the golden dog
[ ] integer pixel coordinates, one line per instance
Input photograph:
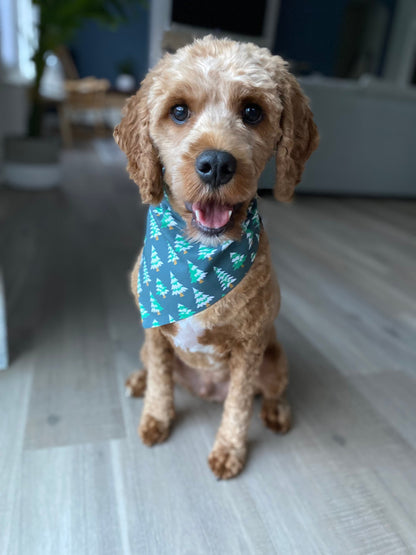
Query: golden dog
(239, 102)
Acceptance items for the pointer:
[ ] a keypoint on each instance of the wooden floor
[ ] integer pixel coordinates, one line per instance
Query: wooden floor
(74, 477)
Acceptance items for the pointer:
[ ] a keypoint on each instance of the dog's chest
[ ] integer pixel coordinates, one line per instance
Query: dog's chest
(189, 333)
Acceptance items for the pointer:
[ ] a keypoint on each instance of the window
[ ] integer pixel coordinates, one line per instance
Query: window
(18, 39)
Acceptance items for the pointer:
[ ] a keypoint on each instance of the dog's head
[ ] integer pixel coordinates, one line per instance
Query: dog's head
(208, 118)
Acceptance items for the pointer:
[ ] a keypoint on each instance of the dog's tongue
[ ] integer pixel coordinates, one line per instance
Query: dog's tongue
(212, 215)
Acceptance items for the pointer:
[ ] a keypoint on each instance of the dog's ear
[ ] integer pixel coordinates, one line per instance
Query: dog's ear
(299, 135)
(132, 136)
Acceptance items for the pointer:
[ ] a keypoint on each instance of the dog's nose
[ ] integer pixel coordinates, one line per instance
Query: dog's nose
(215, 167)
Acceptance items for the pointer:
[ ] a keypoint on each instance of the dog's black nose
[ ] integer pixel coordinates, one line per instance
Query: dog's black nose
(215, 167)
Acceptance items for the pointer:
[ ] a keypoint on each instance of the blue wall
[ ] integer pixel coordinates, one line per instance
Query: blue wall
(98, 50)
(309, 31)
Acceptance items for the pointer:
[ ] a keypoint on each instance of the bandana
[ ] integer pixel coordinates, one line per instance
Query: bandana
(178, 277)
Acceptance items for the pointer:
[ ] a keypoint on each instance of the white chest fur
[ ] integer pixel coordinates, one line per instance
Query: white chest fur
(187, 337)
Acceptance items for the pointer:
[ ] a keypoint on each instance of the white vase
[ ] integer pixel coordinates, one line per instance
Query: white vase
(31, 163)
(125, 83)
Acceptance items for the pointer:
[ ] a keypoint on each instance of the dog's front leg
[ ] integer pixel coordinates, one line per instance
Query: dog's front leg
(228, 455)
(158, 410)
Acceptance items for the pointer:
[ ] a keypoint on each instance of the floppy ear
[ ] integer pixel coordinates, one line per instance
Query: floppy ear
(299, 137)
(132, 136)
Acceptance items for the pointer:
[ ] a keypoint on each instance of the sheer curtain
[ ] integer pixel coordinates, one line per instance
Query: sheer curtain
(17, 40)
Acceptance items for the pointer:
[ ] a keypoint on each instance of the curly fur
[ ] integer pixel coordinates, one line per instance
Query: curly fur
(299, 138)
(132, 136)
(229, 351)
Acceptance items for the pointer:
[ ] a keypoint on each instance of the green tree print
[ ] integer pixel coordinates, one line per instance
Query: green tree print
(196, 273)
(201, 299)
(205, 253)
(161, 289)
(173, 257)
(184, 312)
(168, 220)
(177, 287)
(181, 244)
(158, 210)
(143, 311)
(250, 235)
(155, 262)
(237, 260)
(225, 279)
(154, 305)
(154, 230)
(146, 277)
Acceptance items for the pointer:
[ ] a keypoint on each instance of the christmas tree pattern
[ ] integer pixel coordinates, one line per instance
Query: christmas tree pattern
(205, 253)
(177, 287)
(226, 245)
(256, 219)
(158, 210)
(154, 305)
(181, 244)
(173, 257)
(168, 220)
(237, 260)
(250, 235)
(179, 266)
(196, 273)
(154, 229)
(161, 289)
(185, 312)
(146, 277)
(225, 279)
(155, 262)
(201, 299)
(143, 311)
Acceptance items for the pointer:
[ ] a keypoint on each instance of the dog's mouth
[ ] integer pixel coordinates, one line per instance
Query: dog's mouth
(210, 217)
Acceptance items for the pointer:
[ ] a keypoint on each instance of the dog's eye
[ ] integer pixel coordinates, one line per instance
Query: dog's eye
(252, 114)
(179, 113)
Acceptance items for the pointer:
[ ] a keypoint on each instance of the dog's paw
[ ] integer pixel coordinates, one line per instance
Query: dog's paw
(153, 431)
(226, 462)
(136, 384)
(277, 415)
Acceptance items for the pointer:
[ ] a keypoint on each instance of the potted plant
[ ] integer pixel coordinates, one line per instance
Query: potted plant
(32, 161)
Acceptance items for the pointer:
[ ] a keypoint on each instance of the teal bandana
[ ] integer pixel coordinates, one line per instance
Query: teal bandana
(179, 278)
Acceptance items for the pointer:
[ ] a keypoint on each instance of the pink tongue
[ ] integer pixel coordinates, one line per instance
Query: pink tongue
(213, 216)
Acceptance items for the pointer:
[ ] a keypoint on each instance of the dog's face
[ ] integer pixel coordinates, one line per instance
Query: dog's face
(212, 115)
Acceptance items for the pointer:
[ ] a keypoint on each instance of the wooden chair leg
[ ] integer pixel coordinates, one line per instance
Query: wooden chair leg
(65, 127)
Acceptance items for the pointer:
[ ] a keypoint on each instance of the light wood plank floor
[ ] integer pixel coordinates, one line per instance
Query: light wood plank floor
(74, 477)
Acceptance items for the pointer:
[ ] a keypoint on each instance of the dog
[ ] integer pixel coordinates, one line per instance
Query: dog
(197, 136)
